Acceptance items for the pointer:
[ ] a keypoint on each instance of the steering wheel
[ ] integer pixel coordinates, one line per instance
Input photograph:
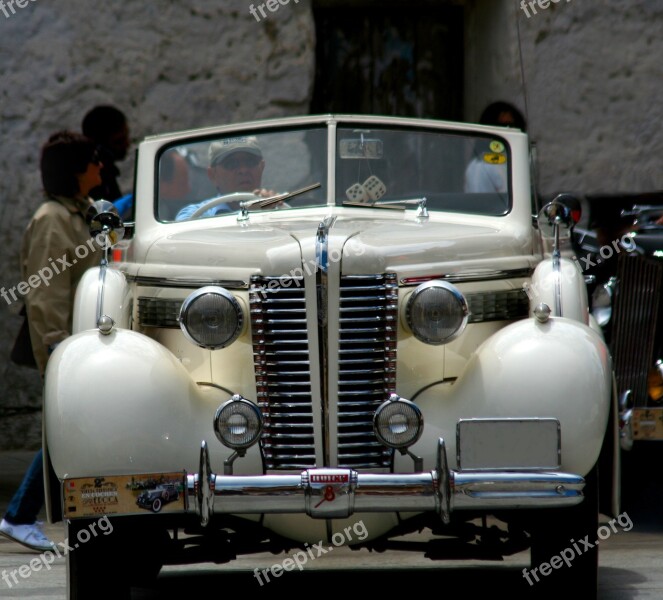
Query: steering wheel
(227, 198)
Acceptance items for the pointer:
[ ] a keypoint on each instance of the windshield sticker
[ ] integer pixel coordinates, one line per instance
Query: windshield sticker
(496, 146)
(494, 159)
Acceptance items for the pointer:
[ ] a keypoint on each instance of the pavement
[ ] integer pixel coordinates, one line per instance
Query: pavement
(13, 465)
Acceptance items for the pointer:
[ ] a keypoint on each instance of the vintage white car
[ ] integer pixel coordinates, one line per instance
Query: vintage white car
(331, 325)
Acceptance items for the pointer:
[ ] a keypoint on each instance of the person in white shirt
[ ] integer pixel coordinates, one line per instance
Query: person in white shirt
(481, 175)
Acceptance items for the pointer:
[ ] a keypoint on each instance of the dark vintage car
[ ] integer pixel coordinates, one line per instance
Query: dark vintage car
(155, 499)
(622, 250)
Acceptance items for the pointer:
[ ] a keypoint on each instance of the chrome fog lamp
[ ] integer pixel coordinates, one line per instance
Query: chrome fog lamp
(211, 317)
(398, 423)
(436, 312)
(238, 423)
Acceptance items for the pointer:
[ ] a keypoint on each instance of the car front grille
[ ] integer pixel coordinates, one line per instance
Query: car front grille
(365, 369)
(283, 372)
(503, 305)
(366, 365)
(159, 312)
(635, 318)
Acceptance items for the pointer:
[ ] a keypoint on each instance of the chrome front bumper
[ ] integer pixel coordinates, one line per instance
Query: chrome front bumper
(331, 493)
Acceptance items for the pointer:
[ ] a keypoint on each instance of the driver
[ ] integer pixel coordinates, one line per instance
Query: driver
(235, 165)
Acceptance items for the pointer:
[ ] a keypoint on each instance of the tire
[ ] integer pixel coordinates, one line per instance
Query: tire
(94, 568)
(110, 563)
(157, 503)
(568, 538)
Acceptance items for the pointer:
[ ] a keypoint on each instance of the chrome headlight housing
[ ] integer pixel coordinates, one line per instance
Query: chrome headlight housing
(436, 312)
(398, 423)
(211, 317)
(602, 302)
(238, 423)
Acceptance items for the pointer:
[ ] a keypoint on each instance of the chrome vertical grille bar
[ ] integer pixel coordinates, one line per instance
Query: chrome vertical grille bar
(366, 365)
(282, 369)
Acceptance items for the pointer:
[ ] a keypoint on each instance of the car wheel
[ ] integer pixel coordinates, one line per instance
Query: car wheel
(108, 564)
(157, 503)
(564, 548)
(95, 565)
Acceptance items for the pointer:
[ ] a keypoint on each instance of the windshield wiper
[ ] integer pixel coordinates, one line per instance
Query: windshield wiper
(246, 205)
(422, 211)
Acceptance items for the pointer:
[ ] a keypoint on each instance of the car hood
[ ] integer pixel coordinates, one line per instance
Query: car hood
(362, 245)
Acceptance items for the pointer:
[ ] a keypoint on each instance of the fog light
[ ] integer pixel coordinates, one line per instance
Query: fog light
(398, 423)
(238, 423)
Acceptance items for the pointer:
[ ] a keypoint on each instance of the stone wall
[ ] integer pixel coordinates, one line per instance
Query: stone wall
(168, 64)
(593, 74)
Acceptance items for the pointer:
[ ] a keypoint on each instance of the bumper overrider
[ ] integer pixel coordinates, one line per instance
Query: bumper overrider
(331, 493)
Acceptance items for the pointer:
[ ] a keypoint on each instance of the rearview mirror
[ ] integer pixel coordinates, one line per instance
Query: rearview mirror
(360, 148)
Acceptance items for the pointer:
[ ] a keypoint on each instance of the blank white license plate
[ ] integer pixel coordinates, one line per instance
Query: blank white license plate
(511, 444)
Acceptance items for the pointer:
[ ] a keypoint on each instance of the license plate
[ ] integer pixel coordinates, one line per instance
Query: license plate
(511, 444)
(648, 423)
(148, 493)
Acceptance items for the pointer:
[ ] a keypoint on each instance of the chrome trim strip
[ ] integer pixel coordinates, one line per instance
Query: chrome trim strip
(557, 275)
(100, 292)
(168, 282)
(322, 295)
(468, 277)
(338, 493)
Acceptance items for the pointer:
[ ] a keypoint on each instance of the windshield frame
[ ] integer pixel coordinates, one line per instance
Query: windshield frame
(334, 127)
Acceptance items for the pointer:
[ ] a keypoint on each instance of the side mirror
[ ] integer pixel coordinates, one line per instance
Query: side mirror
(104, 221)
(555, 220)
(572, 203)
(103, 218)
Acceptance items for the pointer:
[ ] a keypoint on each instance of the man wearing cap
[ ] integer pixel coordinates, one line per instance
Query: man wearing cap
(235, 165)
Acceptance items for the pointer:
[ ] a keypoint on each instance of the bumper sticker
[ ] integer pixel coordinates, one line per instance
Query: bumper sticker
(125, 494)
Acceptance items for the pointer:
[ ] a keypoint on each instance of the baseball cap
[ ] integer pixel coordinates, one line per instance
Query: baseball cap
(221, 149)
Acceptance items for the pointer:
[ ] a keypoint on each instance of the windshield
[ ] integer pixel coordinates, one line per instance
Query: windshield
(375, 168)
(453, 172)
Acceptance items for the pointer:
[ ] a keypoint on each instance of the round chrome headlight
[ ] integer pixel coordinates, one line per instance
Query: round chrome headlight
(398, 423)
(436, 312)
(238, 423)
(211, 317)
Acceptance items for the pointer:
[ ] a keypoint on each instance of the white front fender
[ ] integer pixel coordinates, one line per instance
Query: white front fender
(122, 403)
(560, 369)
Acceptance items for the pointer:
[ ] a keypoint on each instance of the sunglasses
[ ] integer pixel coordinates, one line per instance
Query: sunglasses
(236, 162)
(95, 159)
